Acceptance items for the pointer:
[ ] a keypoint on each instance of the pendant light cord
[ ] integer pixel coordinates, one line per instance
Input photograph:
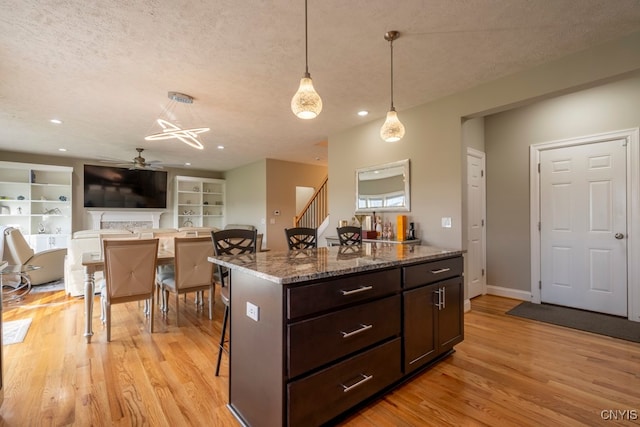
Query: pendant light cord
(306, 47)
(391, 44)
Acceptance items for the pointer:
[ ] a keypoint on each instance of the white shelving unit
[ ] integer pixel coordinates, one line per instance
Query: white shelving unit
(199, 202)
(37, 200)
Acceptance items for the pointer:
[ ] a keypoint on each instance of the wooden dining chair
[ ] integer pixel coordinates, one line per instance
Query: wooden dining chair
(129, 271)
(349, 235)
(301, 237)
(229, 242)
(192, 272)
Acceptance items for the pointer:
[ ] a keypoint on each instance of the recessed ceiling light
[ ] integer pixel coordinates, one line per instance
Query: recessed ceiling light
(187, 164)
(363, 113)
(62, 149)
(220, 147)
(56, 121)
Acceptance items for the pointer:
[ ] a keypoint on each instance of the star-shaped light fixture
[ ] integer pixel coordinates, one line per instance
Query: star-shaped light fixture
(170, 130)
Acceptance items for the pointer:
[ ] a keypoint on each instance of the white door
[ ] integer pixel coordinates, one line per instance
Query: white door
(583, 237)
(476, 248)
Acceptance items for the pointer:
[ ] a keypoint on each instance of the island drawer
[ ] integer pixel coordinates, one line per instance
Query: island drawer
(320, 397)
(431, 272)
(317, 341)
(332, 294)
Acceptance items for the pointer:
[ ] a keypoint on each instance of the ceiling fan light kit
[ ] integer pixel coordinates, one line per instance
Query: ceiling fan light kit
(392, 130)
(306, 103)
(171, 130)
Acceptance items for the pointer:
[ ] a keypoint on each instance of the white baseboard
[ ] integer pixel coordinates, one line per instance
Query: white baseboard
(467, 305)
(509, 293)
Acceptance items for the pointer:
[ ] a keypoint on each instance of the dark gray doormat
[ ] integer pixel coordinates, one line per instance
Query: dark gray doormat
(597, 323)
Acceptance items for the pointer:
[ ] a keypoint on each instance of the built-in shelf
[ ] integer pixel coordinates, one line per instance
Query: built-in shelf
(36, 199)
(199, 202)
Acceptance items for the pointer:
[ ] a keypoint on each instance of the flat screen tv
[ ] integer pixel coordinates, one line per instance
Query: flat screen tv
(113, 187)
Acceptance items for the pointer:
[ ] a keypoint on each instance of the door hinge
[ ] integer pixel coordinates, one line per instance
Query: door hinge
(483, 271)
(539, 226)
(538, 167)
(482, 222)
(539, 284)
(481, 173)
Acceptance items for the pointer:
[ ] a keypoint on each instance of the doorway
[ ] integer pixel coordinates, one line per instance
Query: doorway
(582, 222)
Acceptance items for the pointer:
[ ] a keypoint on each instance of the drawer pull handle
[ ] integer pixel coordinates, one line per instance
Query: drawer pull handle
(364, 379)
(357, 331)
(355, 291)
(442, 270)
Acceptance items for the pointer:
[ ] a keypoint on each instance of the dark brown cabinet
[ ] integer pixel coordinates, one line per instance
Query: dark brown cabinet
(432, 312)
(316, 348)
(344, 346)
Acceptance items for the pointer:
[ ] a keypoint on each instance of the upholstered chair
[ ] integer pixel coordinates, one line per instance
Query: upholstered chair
(130, 271)
(192, 271)
(18, 252)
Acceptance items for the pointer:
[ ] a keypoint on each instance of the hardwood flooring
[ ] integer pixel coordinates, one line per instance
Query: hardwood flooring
(508, 371)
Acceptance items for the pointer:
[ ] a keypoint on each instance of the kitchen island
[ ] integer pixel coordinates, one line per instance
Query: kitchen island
(318, 332)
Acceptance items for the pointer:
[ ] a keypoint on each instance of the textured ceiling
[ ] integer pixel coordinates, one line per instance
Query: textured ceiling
(105, 67)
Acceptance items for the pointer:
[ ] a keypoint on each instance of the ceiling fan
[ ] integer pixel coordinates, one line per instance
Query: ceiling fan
(137, 163)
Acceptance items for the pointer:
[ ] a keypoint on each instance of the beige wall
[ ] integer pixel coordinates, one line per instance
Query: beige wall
(257, 190)
(282, 179)
(434, 138)
(81, 219)
(609, 107)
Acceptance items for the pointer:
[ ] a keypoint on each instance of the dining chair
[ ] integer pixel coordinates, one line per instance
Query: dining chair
(301, 237)
(349, 235)
(229, 242)
(192, 272)
(129, 270)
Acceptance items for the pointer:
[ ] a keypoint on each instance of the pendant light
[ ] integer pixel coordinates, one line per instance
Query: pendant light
(392, 130)
(306, 103)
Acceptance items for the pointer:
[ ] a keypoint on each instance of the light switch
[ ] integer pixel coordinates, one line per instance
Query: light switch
(446, 222)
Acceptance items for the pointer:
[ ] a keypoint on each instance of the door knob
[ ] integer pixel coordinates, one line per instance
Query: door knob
(619, 236)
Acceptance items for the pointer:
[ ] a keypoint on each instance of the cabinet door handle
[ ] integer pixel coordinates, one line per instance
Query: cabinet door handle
(442, 270)
(444, 295)
(364, 379)
(355, 291)
(357, 331)
(439, 303)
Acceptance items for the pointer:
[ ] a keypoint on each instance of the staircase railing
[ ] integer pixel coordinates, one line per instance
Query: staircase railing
(316, 209)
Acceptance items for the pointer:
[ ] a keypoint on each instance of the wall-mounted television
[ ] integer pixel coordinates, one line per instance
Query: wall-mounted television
(113, 187)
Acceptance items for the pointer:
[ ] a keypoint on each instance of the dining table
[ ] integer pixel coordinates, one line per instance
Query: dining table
(92, 262)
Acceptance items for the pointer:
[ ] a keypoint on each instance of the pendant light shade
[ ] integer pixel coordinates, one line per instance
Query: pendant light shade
(306, 103)
(392, 130)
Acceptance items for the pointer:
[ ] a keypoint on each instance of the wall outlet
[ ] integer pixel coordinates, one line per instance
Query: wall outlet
(446, 222)
(253, 311)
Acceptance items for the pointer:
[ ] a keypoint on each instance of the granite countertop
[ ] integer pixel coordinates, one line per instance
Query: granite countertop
(285, 267)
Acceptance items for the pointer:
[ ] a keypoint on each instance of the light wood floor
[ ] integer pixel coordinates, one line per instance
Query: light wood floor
(508, 371)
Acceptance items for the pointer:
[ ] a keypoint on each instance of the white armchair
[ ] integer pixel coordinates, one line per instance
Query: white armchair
(18, 252)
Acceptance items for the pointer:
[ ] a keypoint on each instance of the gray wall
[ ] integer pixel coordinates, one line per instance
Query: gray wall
(609, 107)
(247, 195)
(435, 145)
